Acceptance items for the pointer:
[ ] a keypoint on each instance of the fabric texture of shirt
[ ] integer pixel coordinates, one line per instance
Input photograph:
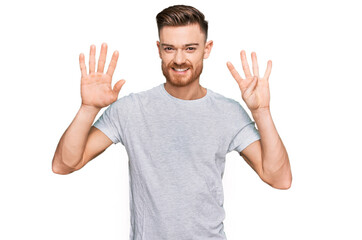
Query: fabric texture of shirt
(176, 154)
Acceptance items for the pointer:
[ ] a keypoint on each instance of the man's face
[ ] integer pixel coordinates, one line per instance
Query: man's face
(182, 50)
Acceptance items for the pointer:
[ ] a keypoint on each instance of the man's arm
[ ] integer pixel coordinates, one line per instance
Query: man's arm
(81, 142)
(268, 156)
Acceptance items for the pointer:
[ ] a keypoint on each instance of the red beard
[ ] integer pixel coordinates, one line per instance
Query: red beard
(178, 79)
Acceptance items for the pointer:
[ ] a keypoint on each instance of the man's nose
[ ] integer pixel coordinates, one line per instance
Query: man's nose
(179, 57)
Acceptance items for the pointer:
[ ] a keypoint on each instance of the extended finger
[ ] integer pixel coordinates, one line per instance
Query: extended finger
(92, 59)
(268, 70)
(245, 64)
(233, 72)
(83, 68)
(255, 64)
(102, 58)
(112, 64)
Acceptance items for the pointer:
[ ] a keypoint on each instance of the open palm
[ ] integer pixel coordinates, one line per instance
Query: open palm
(254, 89)
(96, 87)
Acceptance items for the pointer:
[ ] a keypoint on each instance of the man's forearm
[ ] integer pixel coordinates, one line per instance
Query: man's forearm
(275, 161)
(71, 146)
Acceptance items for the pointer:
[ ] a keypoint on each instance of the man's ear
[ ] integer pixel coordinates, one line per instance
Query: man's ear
(159, 49)
(208, 47)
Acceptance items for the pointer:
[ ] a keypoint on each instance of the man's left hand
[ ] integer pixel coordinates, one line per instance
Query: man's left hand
(254, 89)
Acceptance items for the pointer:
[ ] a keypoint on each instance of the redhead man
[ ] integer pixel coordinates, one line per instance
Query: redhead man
(176, 134)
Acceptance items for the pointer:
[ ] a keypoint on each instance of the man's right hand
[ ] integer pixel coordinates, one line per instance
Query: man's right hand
(96, 87)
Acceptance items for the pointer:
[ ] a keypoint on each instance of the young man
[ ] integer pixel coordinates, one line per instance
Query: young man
(176, 134)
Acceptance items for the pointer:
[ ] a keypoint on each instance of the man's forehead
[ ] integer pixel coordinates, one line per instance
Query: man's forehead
(182, 35)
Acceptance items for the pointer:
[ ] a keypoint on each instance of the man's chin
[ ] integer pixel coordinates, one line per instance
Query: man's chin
(179, 82)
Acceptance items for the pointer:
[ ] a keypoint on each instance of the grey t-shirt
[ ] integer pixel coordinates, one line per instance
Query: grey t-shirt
(176, 150)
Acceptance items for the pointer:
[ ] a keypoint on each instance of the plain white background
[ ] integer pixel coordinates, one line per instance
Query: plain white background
(315, 88)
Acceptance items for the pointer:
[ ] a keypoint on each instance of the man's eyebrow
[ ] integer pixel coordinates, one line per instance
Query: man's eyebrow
(191, 44)
(186, 45)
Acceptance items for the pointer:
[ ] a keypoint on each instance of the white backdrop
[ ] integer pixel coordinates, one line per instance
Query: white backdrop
(315, 87)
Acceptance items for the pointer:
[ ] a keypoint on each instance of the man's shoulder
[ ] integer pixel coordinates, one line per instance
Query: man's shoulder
(231, 109)
(148, 92)
(136, 96)
(224, 101)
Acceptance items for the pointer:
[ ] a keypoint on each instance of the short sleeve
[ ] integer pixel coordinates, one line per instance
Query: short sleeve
(113, 121)
(245, 131)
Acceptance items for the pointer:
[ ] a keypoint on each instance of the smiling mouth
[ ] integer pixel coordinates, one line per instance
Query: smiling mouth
(180, 70)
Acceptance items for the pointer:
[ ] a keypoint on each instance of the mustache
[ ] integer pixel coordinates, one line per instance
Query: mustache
(180, 66)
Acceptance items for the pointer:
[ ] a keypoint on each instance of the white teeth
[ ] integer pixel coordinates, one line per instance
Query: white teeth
(180, 70)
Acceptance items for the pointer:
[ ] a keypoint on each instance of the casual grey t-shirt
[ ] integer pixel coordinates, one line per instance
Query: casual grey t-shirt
(176, 150)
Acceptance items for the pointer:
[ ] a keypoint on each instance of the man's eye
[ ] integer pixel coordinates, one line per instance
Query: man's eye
(190, 48)
(167, 48)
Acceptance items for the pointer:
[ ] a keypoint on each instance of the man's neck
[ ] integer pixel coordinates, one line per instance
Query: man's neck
(192, 91)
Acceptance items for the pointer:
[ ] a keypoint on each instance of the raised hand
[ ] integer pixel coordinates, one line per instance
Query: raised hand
(96, 87)
(254, 89)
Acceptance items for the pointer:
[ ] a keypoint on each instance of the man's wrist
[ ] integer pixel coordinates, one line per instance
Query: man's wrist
(89, 109)
(261, 113)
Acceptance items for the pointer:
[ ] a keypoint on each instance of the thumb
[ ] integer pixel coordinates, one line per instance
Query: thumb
(117, 87)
